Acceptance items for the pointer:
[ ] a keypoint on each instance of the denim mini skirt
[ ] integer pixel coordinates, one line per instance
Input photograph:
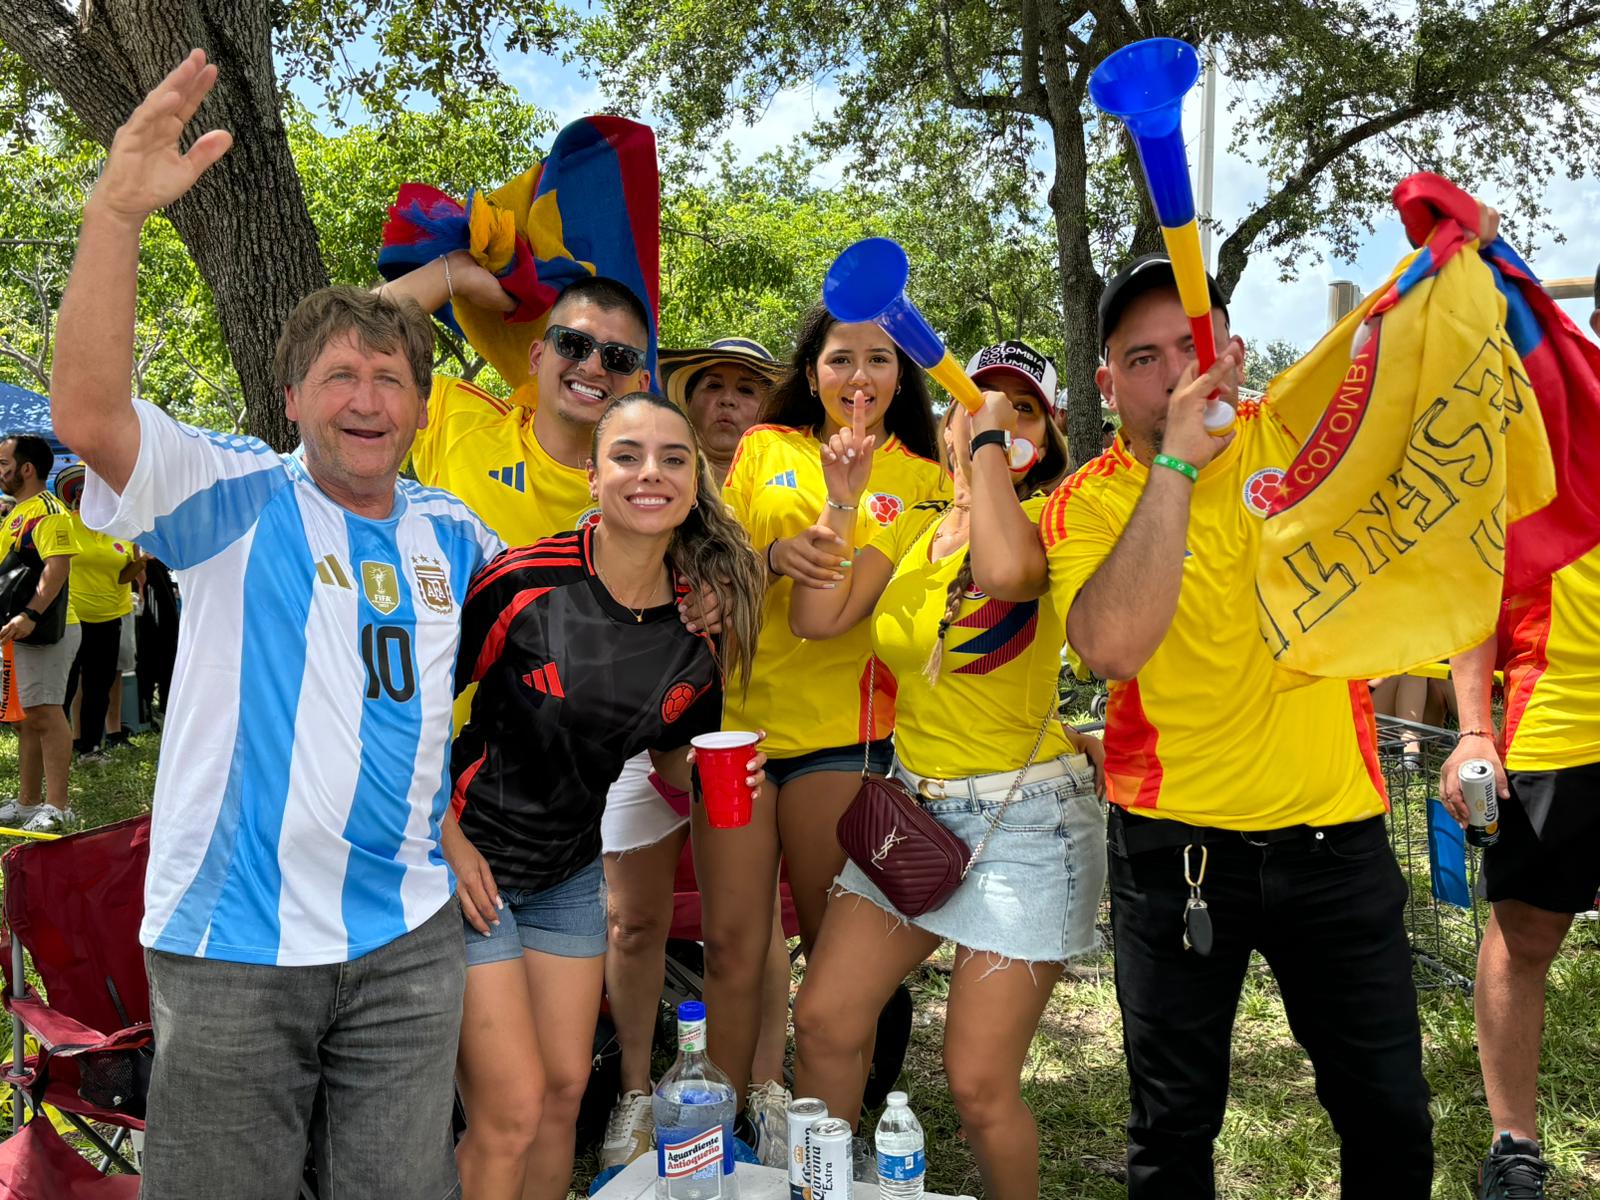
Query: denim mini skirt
(1034, 892)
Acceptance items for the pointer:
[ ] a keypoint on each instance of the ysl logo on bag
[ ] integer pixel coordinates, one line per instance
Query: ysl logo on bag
(892, 839)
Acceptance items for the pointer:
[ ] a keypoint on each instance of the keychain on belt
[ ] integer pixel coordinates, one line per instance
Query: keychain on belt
(1196, 920)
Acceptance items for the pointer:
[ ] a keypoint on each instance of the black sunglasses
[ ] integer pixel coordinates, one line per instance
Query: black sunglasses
(617, 357)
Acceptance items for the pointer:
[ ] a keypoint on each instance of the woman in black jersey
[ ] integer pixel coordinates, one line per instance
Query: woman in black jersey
(581, 662)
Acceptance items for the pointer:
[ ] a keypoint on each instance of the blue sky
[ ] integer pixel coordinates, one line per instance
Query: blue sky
(1263, 307)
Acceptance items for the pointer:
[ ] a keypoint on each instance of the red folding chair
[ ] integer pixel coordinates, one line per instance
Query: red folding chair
(73, 906)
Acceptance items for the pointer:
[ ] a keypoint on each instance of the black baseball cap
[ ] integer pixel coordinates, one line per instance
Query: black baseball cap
(1143, 274)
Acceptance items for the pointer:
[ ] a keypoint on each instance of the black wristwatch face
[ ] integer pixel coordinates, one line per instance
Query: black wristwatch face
(995, 437)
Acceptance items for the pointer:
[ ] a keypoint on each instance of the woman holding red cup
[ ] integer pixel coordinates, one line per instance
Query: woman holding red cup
(580, 662)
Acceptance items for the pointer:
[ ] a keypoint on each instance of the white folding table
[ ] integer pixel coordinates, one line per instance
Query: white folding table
(638, 1182)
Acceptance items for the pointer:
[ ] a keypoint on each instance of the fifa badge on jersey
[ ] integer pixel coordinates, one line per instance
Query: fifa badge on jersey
(433, 585)
(381, 584)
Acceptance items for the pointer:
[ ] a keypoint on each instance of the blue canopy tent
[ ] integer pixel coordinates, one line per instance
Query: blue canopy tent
(22, 411)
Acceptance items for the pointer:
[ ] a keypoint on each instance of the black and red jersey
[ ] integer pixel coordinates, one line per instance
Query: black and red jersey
(571, 684)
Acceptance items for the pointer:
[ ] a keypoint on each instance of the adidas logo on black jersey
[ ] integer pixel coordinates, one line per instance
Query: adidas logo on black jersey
(545, 681)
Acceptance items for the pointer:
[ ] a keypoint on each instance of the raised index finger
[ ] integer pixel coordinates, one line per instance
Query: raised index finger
(858, 421)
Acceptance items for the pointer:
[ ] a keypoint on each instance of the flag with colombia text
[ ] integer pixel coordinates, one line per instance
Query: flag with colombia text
(1386, 544)
(592, 207)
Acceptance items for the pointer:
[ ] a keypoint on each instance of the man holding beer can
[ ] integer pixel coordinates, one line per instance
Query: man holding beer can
(1545, 864)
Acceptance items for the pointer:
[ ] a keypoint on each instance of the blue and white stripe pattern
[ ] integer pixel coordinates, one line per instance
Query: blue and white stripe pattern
(304, 760)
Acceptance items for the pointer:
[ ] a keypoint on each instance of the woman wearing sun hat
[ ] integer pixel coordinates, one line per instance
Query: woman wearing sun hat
(722, 388)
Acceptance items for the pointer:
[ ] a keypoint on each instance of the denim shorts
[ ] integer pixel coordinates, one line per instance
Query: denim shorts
(879, 756)
(567, 920)
(1034, 892)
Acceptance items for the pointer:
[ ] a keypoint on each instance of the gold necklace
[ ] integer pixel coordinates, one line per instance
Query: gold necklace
(638, 613)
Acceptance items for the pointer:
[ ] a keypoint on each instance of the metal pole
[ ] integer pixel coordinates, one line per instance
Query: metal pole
(17, 1034)
(1208, 152)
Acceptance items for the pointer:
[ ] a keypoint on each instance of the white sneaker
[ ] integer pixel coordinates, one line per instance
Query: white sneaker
(48, 819)
(14, 814)
(630, 1131)
(768, 1110)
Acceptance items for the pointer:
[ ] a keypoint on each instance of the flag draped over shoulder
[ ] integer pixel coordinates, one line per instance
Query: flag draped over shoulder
(1386, 544)
(592, 207)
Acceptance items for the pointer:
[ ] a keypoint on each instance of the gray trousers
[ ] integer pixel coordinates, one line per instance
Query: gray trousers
(356, 1060)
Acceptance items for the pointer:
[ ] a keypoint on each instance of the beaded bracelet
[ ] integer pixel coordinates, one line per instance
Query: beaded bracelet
(841, 507)
(1188, 470)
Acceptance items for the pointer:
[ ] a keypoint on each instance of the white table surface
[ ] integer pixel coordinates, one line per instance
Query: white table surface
(638, 1182)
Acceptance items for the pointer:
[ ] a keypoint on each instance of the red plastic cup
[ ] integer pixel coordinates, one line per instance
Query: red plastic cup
(721, 759)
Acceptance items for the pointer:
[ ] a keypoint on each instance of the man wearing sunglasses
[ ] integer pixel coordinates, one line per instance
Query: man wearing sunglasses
(519, 464)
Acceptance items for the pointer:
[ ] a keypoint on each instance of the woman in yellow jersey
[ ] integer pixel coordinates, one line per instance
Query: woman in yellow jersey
(811, 699)
(102, 594)
(977, 738)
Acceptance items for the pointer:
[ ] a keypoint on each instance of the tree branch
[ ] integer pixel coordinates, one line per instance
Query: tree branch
(981, 101)
(42, 33)
(1235, 251)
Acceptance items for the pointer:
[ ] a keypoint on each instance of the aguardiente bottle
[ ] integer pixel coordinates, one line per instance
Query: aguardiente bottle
(694, 1107)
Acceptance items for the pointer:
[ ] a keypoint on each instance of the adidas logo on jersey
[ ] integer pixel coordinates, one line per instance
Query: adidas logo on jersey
(545, 681)
(329, 571)
(783, 479)
(512, 477)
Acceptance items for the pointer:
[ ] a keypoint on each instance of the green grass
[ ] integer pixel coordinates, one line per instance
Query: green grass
(1276, 1142)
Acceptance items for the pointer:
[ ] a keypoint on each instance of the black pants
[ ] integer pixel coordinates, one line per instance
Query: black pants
(95, 669)
(1324, 909)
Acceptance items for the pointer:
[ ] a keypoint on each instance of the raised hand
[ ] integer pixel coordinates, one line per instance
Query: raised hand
(146, 168)
(847, 460)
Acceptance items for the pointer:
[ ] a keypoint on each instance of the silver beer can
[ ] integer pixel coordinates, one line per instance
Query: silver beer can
(829, 1163)
(1483, 804)
(804, 1112)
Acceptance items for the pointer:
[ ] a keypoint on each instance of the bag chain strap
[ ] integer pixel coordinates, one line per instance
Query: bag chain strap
(1011, 795)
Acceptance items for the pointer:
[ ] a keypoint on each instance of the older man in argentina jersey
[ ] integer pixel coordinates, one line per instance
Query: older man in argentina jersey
(303, 945)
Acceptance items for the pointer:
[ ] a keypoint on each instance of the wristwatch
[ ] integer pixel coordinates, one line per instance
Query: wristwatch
(991, 437)
(32, 616)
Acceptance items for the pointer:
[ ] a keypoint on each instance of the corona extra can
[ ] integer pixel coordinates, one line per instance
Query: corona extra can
(804, 1112)
(1483, 804)
(829, 1163)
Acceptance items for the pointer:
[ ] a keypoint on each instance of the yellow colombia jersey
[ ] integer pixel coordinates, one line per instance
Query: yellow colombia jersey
(1201, 735)
(1553, 670)
(46, 524)
(97, 594)
(482, 449)
(812, 695)
(998, 674)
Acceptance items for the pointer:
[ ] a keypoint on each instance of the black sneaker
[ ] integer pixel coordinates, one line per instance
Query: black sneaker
(1514, 1170)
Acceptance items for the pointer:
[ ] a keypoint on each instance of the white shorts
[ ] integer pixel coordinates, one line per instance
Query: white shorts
(636, 816)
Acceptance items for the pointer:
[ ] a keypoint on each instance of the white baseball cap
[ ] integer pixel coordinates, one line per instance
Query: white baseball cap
(1019, 359)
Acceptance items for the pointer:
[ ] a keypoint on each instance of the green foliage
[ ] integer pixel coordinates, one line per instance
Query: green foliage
(744, 251)
(1263, 363)
(448, 50)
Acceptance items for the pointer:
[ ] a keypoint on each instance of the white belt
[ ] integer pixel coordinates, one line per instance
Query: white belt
(978, 787)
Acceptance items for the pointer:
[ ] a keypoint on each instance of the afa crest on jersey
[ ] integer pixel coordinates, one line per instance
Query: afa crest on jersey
(433, 585)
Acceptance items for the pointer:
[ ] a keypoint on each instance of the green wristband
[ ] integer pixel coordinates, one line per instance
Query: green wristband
(1178, 465)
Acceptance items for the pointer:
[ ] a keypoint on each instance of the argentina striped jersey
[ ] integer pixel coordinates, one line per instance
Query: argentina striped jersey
(304, 764)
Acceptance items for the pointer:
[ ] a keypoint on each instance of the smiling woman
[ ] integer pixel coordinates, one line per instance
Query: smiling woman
(581, 663)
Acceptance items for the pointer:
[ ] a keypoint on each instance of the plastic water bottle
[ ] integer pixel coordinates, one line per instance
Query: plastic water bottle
(901, 1165)
(694, 1108)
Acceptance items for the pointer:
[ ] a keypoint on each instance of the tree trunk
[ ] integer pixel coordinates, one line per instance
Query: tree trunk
(245, 222)
(1080, 282)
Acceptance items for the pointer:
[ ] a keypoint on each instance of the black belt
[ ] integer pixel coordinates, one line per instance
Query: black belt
(1128, 833)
